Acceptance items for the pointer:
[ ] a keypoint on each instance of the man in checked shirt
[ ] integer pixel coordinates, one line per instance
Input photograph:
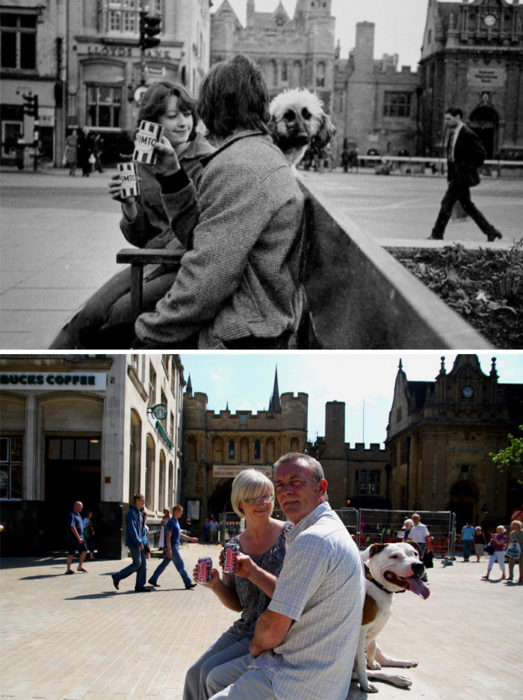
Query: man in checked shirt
(305, 642)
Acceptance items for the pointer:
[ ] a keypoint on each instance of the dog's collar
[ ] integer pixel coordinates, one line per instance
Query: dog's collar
(369, 576)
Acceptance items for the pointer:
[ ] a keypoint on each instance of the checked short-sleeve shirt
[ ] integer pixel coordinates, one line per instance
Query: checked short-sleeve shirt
(321, 588)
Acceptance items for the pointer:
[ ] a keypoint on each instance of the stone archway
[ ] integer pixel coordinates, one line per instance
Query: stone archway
(484, 120)
(220, 499)
(464, 502)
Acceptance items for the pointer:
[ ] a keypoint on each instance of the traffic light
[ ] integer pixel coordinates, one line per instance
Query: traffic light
(31, 105)
(149, 28)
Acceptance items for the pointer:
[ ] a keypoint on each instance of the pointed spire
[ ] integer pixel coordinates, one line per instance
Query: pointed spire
(274, 401)
(493, 372)
(227, 406)
(442, 369)
(189, 386)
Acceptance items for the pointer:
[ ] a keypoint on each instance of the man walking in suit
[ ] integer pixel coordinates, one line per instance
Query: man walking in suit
(465, 153)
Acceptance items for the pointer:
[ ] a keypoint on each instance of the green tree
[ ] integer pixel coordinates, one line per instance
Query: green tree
(511, 457)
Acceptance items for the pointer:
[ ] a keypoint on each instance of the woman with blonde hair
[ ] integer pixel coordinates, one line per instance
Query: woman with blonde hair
(479, 541)
(498, 540)
(262, 547)
(515, 535)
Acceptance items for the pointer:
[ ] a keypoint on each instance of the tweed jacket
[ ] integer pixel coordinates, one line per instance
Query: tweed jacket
(241, 278)
(153, 227)
(469, 154)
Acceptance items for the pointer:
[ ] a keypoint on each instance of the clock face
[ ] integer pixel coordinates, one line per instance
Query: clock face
(489, 20)
(467, 392)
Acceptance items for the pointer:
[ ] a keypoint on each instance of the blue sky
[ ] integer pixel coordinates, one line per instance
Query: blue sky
(399, 23)
(364, 381)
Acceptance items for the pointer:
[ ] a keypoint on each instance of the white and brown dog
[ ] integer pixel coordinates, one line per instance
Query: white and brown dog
(389, 569)
(298, 122)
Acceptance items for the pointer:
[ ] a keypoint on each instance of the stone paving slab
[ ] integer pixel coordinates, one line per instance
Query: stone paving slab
(69, 637)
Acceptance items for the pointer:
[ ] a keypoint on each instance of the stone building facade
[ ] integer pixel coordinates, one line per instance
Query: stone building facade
(358, 476)
(472, 57)
(375, 106)
(84, 62)
(440, 435)
(216, 446)
(297, 52)
(81, 427)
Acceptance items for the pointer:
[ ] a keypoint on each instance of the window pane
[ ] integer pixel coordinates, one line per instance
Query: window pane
(67, 448)
(8, 50)
(4, 482)
(104, 116)
(16, 481)
(28, 21)
(81, 448)
(54, 448)
(95, 450)
(16, 449)
(28, 51)
(7, 19)
(4, 449)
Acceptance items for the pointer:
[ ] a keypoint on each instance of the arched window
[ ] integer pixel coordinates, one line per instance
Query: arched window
(232, 449)
(257, 449)
(320, 74)
(294, 445)
(135, 454)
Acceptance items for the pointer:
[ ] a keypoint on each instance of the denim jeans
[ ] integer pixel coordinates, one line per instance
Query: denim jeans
(139, 565)
(178, 563)
(467, 547)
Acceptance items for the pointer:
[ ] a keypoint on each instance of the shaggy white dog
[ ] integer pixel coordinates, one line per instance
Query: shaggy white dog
(298, 121)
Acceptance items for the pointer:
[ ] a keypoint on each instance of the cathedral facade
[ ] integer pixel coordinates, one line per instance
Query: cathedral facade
(440, 436)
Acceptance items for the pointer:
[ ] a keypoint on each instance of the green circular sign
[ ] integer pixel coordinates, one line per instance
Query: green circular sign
(159, 411)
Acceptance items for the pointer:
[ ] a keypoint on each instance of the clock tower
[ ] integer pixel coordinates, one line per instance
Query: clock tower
(471, 58)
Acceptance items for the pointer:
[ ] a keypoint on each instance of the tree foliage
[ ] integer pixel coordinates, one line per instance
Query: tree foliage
(511, 457)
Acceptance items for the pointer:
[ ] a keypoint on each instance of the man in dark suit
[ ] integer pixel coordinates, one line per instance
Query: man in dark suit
(465, 153)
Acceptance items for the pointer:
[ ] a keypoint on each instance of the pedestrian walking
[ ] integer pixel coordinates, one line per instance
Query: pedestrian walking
(215, 527)
(136, 540)
(75, 539)
(419, 533)
(173, 535)
(71, 153)
(467, 539)
(479, 542)
(498, 540)
(88, 533)
(515, 549)
(465, 154)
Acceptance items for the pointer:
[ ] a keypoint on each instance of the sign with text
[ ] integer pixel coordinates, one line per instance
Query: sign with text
(483, 76)
(56, 381)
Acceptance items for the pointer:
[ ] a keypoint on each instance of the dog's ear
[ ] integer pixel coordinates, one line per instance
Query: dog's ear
(415, 546)
(324, 134)
(376, 549)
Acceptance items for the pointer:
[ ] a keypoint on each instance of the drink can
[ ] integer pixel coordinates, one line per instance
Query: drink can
(146, 138)
(129, 177)
(231, 551)
(204, 570)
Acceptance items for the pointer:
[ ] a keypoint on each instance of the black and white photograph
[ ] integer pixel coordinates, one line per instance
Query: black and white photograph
(261, 316)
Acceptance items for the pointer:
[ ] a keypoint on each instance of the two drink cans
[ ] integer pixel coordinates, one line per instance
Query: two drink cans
(147, 137)
(230, 565)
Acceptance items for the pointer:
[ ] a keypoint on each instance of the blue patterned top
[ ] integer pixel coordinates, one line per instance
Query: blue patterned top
(252, 599)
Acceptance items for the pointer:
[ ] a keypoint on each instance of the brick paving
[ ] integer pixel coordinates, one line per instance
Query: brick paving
(72, 637)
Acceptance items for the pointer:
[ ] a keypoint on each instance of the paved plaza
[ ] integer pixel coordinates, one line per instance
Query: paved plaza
(60, 235)
(72, 637)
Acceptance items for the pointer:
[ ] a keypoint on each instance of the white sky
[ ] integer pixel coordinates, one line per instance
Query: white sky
(245, 381)
(399, 23)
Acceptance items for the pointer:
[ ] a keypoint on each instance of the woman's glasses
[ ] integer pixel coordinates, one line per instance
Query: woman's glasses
(258, 500)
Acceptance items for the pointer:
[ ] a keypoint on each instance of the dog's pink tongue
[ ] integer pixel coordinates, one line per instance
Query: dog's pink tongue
(417, 586)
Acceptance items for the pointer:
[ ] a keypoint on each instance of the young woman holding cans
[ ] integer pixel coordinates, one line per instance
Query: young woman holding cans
(262, 546)
(107, 319)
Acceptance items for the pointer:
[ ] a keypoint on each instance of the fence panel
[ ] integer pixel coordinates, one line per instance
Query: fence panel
(386, 526)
